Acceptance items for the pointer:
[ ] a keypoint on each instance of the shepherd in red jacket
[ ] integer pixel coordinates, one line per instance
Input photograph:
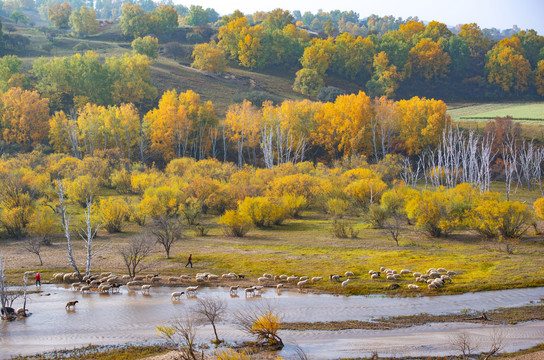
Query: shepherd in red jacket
(189, 260)
(38, 282)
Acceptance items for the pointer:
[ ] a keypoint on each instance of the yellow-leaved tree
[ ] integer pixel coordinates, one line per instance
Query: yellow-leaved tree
(113, 212)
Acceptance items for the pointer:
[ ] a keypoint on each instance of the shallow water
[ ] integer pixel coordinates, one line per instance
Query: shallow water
(133, 317)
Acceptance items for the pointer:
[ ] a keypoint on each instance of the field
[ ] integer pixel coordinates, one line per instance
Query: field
(525, 113)
(306, 246)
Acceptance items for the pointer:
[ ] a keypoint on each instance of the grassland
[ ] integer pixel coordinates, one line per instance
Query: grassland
(525, 113)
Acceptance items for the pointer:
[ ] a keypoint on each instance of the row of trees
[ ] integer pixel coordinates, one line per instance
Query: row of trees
(184, 125)
(244, 197)
(412, 57)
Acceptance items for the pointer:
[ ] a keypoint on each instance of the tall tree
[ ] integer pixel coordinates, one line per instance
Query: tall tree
(24, 116)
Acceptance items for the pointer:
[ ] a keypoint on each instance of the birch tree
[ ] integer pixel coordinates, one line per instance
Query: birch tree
(65, 223)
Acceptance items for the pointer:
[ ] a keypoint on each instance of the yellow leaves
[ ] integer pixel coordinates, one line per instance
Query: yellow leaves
(209, 57)
(421, 122)
(24, 117)
(243, 121)
(539, 208)
(492, 218)
(310, 187)
(163, 200)
(262, 211)
(233, 355)
(249, 46)
(344, 126)
(366, 191)
(141, 181)
(507, 67)
(267, 326)
(43, 222)
(81, 189)
(113, 212)
(428, 60)
(237, 224)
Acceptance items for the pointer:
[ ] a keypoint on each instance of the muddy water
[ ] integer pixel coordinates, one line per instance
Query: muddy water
(133, 317)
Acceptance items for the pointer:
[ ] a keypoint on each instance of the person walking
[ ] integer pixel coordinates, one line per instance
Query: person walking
(189, 261)
(38, 282)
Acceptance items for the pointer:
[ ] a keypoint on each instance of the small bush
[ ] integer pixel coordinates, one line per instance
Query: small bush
(337, 207)
(201, 230)
(329, 93)
(82, 46)
(343, 230)
(237, 224)
(377, 215)
(257, 98)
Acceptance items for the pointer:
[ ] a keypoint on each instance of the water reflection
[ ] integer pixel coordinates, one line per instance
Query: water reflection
(130, 316)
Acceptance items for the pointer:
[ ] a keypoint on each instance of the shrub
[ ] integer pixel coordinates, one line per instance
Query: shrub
(337, 207)
(236, 224)
(81, 189)
(120, 180)
(377, 215)
(113, 212)
(342, 229)
(510, 219)
(163, 200)
(262, 211)
(329, 93)
(294, 205)
(147, 45)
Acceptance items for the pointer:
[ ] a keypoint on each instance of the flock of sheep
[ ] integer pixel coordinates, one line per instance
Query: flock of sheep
(434, 278)
(108, 282)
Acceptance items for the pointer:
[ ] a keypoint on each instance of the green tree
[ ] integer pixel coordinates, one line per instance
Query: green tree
(148, 46)
(164, 19)
(134, 20)
(19, 16)
(83, 21)
(308, 82)
(197, 16)
(9, 65)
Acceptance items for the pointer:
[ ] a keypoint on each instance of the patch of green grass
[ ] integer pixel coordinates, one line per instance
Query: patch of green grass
(108, 352)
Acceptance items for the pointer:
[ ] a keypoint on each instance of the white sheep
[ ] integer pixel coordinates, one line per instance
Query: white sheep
(58, 276)
(104, 288)
(292, 279)
(173, 279)
(279, 286)
(67, 277)
(375, 276)
(249, 291)
(382, 269)
(391, 277)
(85, 288)
(258, 289)
(234, 290)
(451, 273)
(420, 279)
(133, 283)
(126, 277)
(185, 277)
(302, 283)
(395, 271)
(302, 278)
(413, 287)
(405, 272)
(200, 280)
(138, 278)
(262, 279)
(266, 275)
(349, 274)
(316, 279)
(445, 278)
(191, 290)
(397, 276)
(75, 286)
(145, 289)
(213, 277)
(345, 283)
(176, 295)
(105, 274)
(283, 277)
(432, 286)
(334, 277)
(442, 270)
(156, 279)
(416, 274)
